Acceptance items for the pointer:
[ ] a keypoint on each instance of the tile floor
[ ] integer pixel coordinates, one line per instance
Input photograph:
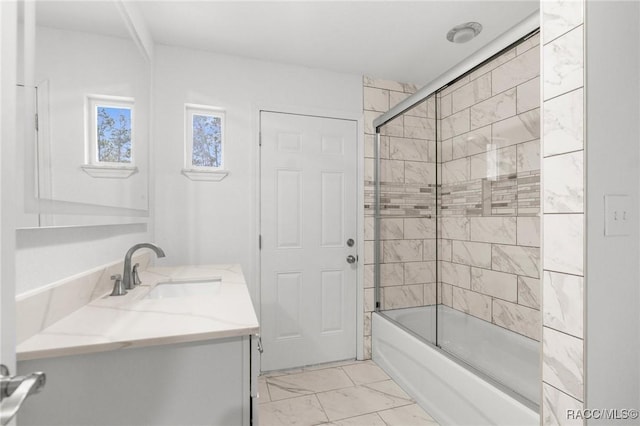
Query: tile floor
(349, 393)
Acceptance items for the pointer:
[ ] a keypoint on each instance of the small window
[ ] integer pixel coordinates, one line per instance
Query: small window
(204, 142)
(110, 136)
(113, 134)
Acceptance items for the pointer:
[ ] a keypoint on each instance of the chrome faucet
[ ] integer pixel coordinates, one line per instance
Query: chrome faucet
(127, 281)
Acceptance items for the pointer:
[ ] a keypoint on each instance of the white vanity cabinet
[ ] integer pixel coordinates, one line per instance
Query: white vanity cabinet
(201, 383)
(139, 360)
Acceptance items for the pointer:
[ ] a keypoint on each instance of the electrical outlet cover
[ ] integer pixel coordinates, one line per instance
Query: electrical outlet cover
(617, 215)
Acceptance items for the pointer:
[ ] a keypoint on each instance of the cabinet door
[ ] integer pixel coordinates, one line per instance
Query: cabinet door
(183, 384)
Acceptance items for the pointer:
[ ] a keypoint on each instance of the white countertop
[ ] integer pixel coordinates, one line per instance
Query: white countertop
(115, 322)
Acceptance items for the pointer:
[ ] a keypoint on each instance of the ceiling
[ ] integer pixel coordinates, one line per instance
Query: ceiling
(397, 40)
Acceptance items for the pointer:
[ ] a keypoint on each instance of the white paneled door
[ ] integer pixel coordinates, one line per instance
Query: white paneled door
(308, 229)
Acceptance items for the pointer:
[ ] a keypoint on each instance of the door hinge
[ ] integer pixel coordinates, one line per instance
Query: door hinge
(36, 122)
(378, 305)
(259, 339)
(260, 139)
(259, 242)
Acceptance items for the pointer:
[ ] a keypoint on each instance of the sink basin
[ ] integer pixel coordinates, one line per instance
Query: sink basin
(207, 287)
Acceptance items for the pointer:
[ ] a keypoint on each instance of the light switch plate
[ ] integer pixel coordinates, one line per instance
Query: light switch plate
(617, 215)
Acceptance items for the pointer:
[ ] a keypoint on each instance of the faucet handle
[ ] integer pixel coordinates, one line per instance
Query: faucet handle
(118, 286)
(136, 277)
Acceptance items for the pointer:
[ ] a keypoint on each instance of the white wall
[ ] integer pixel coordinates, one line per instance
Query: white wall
(613, 133)
(216, 222)
(46, 255)
(196, 222)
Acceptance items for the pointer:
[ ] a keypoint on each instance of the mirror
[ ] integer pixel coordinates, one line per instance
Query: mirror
(87, 89)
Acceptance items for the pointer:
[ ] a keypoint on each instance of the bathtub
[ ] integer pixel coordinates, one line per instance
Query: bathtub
(448, 389)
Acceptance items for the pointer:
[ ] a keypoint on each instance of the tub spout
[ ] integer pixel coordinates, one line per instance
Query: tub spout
(126, 276)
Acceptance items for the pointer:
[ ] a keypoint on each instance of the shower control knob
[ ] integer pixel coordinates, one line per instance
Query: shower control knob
(351, 259)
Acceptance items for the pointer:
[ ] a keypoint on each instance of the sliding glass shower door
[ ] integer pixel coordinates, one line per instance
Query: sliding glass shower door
(489, 218)
(406, 219)
(458, 219)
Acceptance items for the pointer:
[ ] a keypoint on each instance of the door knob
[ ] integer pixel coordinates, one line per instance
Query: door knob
(351, 259)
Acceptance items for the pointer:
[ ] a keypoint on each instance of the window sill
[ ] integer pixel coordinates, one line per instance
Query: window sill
(110, 172)
(205, 175)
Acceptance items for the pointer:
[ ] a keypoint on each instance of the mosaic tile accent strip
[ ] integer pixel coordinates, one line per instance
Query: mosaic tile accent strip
(461, 199)
(402, 200)
(509, 195)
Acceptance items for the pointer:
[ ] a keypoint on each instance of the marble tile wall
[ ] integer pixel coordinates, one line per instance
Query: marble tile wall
(408, 207)
(563, 210)
(489, 202)
(408, 203)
